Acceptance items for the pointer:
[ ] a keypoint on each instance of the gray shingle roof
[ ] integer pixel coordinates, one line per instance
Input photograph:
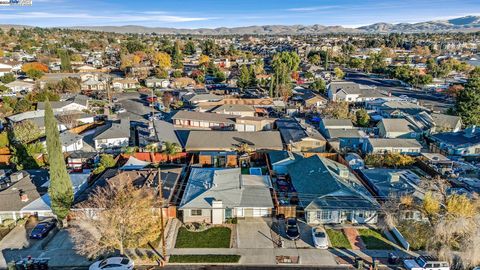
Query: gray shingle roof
(113, 130)
(227, 185)
(11, 197)
(199, 140)
(202, 116)
(394, 142)
(234, 108)
(398, 125)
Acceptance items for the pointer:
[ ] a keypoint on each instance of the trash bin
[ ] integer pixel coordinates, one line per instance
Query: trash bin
(392, 258)
(375, 263)
(359, 263)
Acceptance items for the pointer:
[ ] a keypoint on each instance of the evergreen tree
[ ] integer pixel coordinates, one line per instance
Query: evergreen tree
(60, 189)
(65, 61)
(468, 102)
(244, 78)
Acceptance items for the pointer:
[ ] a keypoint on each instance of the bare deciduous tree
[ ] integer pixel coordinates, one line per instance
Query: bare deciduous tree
(116, 217)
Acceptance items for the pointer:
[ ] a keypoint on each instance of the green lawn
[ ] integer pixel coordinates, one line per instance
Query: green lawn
(217, 237)
(204, 259)
(338, 239)
(373, 239)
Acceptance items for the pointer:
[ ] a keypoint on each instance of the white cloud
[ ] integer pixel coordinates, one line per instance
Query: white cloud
(156, 16)
(317, 8)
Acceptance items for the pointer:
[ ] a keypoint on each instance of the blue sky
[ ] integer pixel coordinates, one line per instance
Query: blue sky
(232, 13)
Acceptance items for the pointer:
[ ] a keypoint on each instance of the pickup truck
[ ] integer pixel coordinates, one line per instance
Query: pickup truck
(425, 263)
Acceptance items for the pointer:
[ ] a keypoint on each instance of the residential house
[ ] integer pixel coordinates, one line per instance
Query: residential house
(398, 128)
(396, 108)
(308, 99)
(330, 194)
(216, 195)
(249, 123)
(438, 122)
(465, 143)
(235, 109)
(331, 123)
(125, 84)
(345, 140)
(77, 103)
(157, 83)
(112, 136)
(156, 133)
(199, 120)
(300, 137)
(393, 145)
(5, 69)
(352, 92)
(20, 86)
(218, 159)
(396, 183)
(18, 191)
(194, 99)
(146, 179)
(206, 140)
(279, 160)
(70, 142)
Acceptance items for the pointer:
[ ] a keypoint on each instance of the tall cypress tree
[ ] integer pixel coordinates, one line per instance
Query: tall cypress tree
(60, 189)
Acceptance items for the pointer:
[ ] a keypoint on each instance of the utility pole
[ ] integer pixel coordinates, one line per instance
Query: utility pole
(160, 187)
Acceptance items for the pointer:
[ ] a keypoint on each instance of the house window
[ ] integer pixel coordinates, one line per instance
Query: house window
(196, 212)
(324, 215)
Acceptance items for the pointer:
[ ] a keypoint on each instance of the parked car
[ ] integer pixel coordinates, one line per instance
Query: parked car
(113, 263)
(425, 263)
(292, 230)
(320, 237)
(43, 228)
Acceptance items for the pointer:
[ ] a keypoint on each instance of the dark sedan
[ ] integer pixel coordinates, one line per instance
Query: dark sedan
(292, 230)
(43, 228)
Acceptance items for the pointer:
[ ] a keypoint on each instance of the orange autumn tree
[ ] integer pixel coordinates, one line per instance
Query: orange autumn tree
(35, 70)
(35, 66)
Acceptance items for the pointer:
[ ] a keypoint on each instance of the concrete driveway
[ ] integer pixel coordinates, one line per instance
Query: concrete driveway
(255, 233)
(305, 240)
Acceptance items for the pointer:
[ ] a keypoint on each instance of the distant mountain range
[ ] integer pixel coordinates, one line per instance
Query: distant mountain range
(462, 24)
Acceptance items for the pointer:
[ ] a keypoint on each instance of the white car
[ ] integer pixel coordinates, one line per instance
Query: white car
(425, 263)
(320, 238)
(113, 263)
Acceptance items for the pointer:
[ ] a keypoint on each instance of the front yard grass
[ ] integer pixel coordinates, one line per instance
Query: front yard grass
(216, 237)
(338, 239)
(204, 258)
(373, 239)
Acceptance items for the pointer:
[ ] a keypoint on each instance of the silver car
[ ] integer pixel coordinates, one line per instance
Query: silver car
(320, 237)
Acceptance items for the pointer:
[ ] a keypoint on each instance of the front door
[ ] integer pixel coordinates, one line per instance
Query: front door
(228, 213)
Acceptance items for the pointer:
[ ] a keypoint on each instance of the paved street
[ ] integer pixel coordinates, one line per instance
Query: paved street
(426, 99)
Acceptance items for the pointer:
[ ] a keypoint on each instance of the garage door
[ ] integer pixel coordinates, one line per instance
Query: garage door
(249, 128)
(260, 212)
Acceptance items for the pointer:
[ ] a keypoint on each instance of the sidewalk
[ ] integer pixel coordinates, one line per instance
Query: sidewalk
(265, 256)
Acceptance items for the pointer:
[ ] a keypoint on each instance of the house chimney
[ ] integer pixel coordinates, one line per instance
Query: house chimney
(393, 177)
(470, 131)
(23, 196)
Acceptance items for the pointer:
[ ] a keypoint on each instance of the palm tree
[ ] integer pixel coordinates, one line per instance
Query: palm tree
(171, 149)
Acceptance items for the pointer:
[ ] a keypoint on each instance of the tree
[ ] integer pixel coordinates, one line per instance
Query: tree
(134, 46)
(336, 110)
(167, 100)
(363, 119)
(203, 60)
(26, 131)
(468, 102)
(60, 189)
(34, 74)
(106, 161)
(8, 78)
(189, 48)
(125, 217)
(318, 85)
(339, 74)
(35, 66)
(244, 78)
(22, 105)
(172, 148)
(163, 60)
(65, 61)
(210, 48)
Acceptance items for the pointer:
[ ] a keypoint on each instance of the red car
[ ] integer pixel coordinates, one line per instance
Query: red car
(152, 99)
